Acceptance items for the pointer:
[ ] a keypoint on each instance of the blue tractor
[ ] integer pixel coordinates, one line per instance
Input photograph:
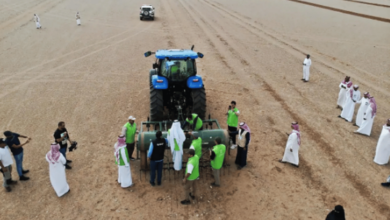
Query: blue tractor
(175, 89)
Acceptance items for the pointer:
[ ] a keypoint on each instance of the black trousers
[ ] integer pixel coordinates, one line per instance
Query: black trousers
(241, 156)
(130, 149)
(386, 184)
(233, 136)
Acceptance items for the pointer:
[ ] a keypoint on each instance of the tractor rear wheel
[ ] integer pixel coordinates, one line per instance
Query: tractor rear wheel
(199, 102)
(156, 104)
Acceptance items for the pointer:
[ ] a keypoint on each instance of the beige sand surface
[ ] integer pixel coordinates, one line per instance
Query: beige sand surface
(357, 7)
(94, 76)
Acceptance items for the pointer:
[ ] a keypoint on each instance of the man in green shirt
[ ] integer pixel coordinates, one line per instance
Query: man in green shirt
(196, 144)
(194, 121)
(129, 130)
(192, 174)
(217, 156)
(232, 122)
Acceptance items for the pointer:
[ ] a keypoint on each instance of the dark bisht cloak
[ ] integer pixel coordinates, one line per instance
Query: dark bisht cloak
(336, 214)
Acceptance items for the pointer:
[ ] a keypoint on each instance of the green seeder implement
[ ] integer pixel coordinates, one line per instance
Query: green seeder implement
(208, 134)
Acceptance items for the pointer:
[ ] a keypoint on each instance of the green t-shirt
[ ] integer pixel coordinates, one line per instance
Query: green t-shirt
(219, 151)
(199, 122)
(197, 143)
(194, 161)
(232, 118)
(130, 132)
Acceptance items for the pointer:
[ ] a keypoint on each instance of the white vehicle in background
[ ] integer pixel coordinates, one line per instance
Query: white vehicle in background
(147, 12)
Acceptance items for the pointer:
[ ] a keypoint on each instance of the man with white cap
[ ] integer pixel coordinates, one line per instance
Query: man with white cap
(78, 19)
(37, 21)
(368, 119)
(353, 95)
(306, 68)
(382, 154)
(364, 103)
(176, 139)
(129, 130)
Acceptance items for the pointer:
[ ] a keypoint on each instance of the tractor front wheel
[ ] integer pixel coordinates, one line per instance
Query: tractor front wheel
(199, 102)
(156, 104)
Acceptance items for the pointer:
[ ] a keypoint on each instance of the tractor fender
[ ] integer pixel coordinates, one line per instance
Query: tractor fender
(159, 82)
(195, 82)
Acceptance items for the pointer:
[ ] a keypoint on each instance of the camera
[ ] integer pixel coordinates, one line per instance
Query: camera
(73, 146)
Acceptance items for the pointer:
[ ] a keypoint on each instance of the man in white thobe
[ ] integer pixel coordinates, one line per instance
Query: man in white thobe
(292, 147)
(57, 170)
(306, 68)
(176, 139)
(344, 86)
(122, 160)
(368, 119)
(364, 102)
(382, 153)
(78, 19)
(349, 106)
(37, 21)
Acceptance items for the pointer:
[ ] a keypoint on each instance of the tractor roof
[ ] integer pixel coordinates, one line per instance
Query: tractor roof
(176, 54)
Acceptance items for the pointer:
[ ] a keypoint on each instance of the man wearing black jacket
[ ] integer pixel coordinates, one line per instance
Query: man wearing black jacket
(61, 136)
(156, 157)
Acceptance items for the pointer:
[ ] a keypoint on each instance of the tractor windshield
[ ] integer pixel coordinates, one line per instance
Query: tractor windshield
(177, 70)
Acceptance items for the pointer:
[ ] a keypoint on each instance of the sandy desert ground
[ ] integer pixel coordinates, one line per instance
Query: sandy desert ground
(94, 76)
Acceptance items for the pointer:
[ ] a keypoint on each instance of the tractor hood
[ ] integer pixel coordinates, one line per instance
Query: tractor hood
(176, 54)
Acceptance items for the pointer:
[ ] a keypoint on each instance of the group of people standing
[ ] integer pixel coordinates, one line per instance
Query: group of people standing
(124, 148)
(11, 143)
(38, 25)
(56, 158)
(350, 95)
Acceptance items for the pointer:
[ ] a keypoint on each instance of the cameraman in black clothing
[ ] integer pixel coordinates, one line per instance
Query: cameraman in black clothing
(61, 136)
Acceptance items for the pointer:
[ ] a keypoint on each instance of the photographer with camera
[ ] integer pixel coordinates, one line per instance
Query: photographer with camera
(13, 142)
(61, 137)
(232, 122)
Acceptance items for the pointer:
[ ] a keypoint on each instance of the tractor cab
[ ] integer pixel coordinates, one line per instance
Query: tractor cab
(176, 65)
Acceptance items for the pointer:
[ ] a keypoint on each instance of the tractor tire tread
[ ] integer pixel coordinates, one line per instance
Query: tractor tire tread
(156, 104)
(199, 102)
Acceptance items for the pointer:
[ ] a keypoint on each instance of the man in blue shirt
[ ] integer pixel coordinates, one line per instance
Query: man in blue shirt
(156, 157)
(12, 140)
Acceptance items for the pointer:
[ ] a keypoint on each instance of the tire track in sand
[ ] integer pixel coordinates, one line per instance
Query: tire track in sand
(66, 54)
(343, 11)
(71, 61)
(361, 188)
(20, 20)
(347, 71)
(368, 3)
